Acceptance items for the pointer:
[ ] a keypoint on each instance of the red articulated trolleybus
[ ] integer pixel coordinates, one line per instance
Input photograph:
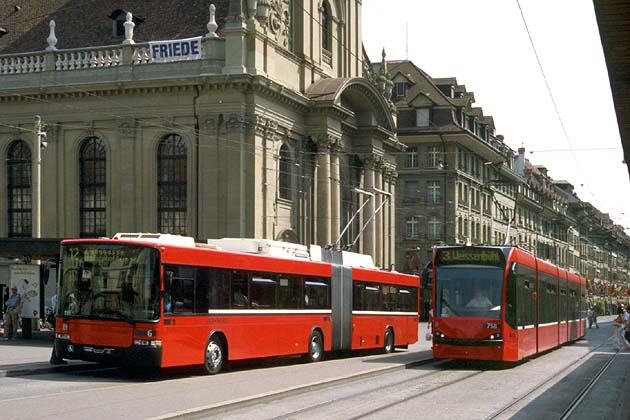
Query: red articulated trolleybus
(502, 303)
(163, 300)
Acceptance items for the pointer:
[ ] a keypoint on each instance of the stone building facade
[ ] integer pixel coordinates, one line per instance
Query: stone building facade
(460, 182)
(276, 130)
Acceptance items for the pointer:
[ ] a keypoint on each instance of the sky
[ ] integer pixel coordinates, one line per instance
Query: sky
(486, 46)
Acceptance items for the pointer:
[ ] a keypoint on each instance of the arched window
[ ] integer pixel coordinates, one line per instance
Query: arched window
(285, 174)
(19, 189)
(92, 195)
(172, 185)
(326, 27)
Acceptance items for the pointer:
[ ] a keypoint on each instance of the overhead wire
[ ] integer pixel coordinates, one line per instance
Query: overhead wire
(553, 101)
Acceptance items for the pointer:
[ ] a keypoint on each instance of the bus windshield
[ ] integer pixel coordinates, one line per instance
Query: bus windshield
(469, 290)
(114, 282)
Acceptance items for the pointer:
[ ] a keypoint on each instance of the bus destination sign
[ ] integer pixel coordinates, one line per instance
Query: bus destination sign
(483, 256)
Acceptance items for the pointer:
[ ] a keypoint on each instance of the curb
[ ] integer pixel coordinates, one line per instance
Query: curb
(35, 370)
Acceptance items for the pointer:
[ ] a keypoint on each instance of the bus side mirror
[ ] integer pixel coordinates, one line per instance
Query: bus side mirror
(168, 280)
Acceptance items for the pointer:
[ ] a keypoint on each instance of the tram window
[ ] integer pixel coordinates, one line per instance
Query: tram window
(511, 299)
(525, 305)
(548, 305)
(263, 291)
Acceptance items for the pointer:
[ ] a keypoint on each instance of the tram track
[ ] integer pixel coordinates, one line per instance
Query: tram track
(554, 378)
(432, 362)
(584, 392)
(412, 397)
(372, 403)
(418, 386)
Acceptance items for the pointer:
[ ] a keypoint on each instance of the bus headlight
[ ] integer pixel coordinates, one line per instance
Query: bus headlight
(148, 343)
(495, 336)
(61, 336)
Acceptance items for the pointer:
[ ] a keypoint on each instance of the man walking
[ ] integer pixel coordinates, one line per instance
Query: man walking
(626, 319)
(12, 308)
(595, 316)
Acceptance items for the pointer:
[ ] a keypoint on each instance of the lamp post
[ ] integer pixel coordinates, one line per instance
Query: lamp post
(37, 177)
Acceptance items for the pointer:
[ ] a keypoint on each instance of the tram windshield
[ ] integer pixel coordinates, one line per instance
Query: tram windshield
(113, 282)
(469, 290)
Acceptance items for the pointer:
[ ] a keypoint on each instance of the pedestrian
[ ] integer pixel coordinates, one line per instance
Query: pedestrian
(54, 359)
(595, 313)
(12, 306)
(53, 313)
(429, 333)
(626, 318)
(618, 340)
(589, 315)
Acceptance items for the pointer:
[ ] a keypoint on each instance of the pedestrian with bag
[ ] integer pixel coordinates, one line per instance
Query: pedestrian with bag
(429, 335)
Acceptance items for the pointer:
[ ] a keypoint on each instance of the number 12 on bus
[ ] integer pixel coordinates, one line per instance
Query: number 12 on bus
(163, 301)
(502, 303)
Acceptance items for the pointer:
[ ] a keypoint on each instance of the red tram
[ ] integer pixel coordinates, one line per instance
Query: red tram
(502, 303)
(163, 300)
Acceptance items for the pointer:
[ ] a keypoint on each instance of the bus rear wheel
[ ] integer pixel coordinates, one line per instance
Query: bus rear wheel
(315, 347)
(215, 355)
(388, 341)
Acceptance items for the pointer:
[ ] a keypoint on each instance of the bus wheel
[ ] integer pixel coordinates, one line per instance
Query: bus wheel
(315, 347)
(215, 355)
(388, 341)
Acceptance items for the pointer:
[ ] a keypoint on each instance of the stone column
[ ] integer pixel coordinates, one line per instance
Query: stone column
(239, 197)
(369, 233)
(323, 191)
(335, 191)
(387, 221)
(265, 184)
(390, 221)
(378, 219)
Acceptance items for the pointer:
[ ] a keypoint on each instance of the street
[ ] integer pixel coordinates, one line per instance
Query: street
(362, 386)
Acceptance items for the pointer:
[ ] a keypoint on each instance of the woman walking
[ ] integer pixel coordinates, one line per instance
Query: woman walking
(618, 340)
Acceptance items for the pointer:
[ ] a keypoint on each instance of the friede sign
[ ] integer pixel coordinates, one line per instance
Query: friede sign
(177, 50)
